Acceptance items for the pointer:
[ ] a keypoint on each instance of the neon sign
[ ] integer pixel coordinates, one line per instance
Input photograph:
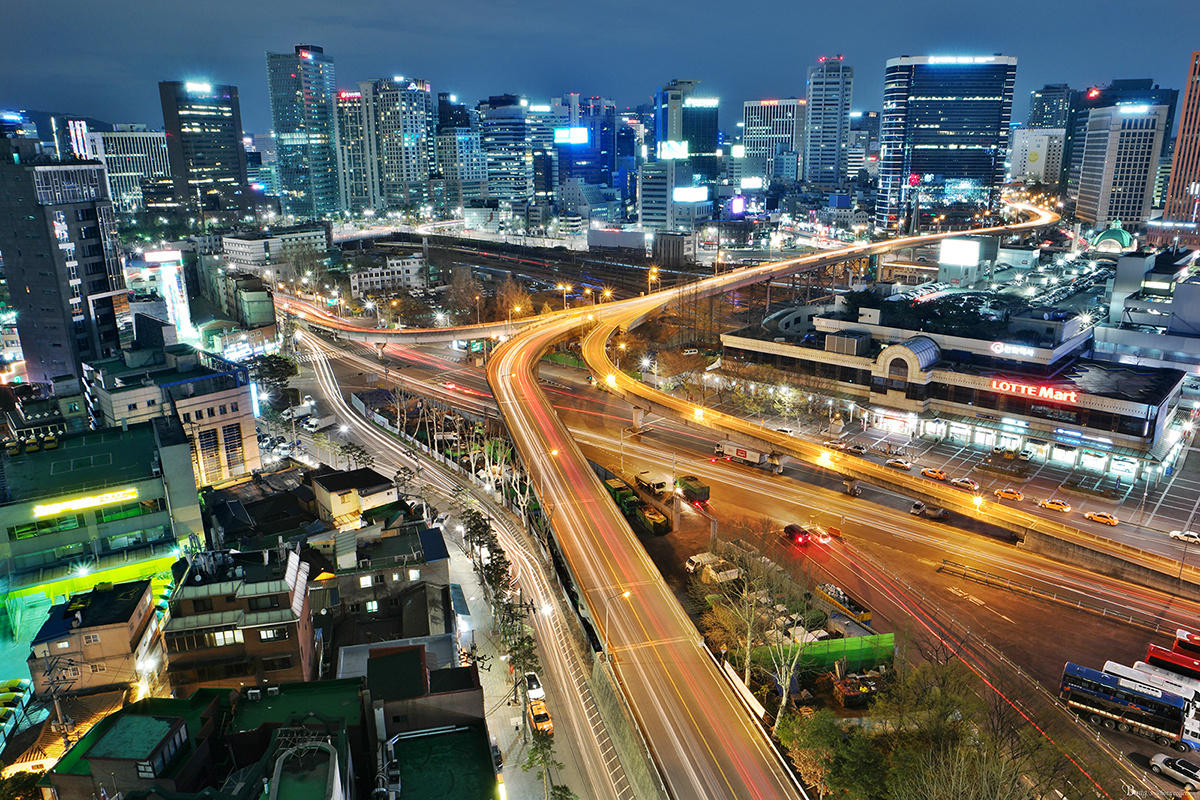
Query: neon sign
(1003, 349)
(80, 503)
(1040, 392)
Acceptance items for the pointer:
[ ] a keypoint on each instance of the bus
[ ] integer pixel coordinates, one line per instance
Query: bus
(1186, 643)
(1130, 707)
(1167, 684)
(1179, 663)
(1173, 677)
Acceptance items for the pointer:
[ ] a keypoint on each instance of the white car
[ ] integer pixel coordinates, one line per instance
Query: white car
(964, 483)
(1186, 536)
(533, 687)
(1181, 770)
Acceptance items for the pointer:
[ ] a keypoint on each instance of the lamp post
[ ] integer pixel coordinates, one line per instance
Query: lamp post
(588, 291)
(651, 277)
(511, 311)
(564, 288)
(476, 309)
(607, 605)
(607, 294)
(620, 349)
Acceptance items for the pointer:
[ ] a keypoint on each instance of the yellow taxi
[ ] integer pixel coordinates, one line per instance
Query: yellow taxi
(1008, 493)
(1103, 517)
(539, 717)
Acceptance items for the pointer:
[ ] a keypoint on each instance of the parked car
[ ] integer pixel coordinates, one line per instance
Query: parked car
(899, 463)
(836, 444)
(533, 687)
(1054, 504)
(539, 717)
(1178, 769)
(965, 483)
(857, 449)
(936, 474)
(1024, 455)
(1103, 517)
(1186, 536)
(1008, 493)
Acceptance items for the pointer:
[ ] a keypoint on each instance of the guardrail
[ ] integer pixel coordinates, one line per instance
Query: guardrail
(1077, 601)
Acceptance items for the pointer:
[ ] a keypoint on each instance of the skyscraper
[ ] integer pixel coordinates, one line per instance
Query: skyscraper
(303, 92)
(1181, 212)
(1049, 105)
(358, 177)
(401, 125)
(1119, 164)
(681, 115)
(507, 147)
(827, 128)
(203, 124)
(131, 159)
(460, 154)
(1139, 91)
(61, 258)
(943, 133)
(772, 130)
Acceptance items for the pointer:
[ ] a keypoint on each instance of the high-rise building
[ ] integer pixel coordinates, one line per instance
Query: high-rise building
(587, 147)
(1181, 211)
(689, 121)
(667, 200)
(827, 127)
(203, 124)
(1048, 106)
(303, 90)
(460, 155)
(401, 126)
(863, 149)
(62, 261)
(358, 177)
(943, 133)
(1138, 91)
(1037, 154)
(1119, 164)
(772, 129)
(131, 158)
(506, 134)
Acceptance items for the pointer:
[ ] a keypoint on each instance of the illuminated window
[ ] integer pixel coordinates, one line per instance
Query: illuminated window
(372, 605)
(364, 582)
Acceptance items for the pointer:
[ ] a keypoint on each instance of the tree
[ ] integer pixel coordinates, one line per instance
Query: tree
(403, 478)
(562, 792)
(21, 786)
(272, 372)
(462, 294)
(540, 757)
(513, 299)
(356, 455)
(962, 772)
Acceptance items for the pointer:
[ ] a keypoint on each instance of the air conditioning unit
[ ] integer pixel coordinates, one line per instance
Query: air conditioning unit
(272, 691)
(254, 694)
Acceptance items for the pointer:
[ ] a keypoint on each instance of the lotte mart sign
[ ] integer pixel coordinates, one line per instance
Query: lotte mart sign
(1040, 392)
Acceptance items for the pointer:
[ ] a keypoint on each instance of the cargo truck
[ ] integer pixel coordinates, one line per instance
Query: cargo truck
(692, 488)
(731, 451)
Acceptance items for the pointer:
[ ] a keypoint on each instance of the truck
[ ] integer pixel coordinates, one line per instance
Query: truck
(296, 412)
(692, 488)
(314, 424)
(654, 520)
(651, 484)
(732, 451)
(622, 495)
(700, 561)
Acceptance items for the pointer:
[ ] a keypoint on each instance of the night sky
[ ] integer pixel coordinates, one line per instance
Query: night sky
(103, 59)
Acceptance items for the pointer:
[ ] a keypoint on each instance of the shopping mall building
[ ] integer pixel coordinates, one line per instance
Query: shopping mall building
(1032, 387)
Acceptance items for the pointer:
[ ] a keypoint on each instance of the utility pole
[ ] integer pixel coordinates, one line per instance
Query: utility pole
(58, 681)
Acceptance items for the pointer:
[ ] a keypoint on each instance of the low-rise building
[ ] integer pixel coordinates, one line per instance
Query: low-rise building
(257, 251)
(403, 271)
(239, 619)
(342, 497)
(210, 396)
(104, 506)
(102, 639)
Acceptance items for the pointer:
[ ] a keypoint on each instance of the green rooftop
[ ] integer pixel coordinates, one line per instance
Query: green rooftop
(327, 699)
(132, 736)
(456, 764)
(397, 676)
(82, 462)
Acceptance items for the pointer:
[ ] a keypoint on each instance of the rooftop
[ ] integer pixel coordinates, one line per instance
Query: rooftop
(399, 675)
(363, 479)
(132, 736)
(330, 700)
(83, 461)
(455, 764)
(104, 605)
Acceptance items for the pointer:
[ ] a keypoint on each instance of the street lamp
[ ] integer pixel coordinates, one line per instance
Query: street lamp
(564, 288)
(608, 604)
(651, 277)
(476, 309)
(620, 349)
(608, 294)
(588, 291)
(511, 311)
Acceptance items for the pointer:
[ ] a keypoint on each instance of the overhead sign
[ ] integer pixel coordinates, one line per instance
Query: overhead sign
(1040, 392)
(91, 501)
(689, 194)
(1005, 349)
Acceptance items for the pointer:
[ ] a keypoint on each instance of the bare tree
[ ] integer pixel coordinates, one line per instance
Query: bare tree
(463, 295)
(513, 299)
(963, 772)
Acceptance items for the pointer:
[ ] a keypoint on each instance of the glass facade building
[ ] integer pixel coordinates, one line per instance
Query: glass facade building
(303, 92)
(944, 133)
(827, 127)
(203, 124)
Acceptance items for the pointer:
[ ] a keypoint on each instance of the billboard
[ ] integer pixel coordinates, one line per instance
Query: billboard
(959, 253)
(737, 205)
(752, 182)
(670, 149)
(737, 151)
(570, 135)
(690, 194)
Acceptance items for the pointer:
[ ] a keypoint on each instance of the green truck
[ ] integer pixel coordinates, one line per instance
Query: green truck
(625, 498)
(692, 488)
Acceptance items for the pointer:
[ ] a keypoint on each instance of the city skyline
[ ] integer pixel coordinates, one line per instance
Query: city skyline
(114, 78)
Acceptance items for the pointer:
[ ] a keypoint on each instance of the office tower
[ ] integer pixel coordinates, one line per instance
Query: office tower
(1048, 106)
(587, 147)
(460, 155)
(1138, 91)
(827, 127)
(203, 124)
(505, 134)
(770, 130)
(61, 258)
(1181, 211)
(131, 158)
(943, 134)
(863, 149)
(1037, 154)
(689, 120)
(358, 177)
(401, 125)
(1119, 164)
(302, 91)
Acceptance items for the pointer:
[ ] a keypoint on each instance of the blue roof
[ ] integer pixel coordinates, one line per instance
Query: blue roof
(433, 545)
